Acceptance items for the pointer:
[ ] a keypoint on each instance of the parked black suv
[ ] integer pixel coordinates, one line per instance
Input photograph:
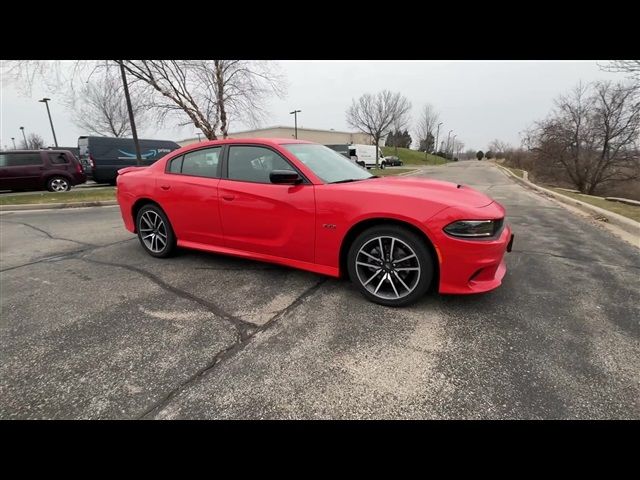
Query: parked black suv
(55, 170)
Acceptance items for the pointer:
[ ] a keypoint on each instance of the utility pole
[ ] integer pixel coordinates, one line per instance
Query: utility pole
(435, 145)
(134, 133)
(295, 117)
(46, 102)
(446, 150)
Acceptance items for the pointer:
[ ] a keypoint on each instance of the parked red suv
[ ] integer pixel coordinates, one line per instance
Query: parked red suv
(55, 170)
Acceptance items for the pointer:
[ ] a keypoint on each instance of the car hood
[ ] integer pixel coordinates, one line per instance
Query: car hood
(446, 193)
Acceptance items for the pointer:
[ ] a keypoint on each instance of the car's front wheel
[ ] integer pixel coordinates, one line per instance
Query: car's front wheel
(390, 265)
(58, 184)
(155, 232)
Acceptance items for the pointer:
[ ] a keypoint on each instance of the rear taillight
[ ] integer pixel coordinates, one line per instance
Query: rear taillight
(91, 162)
(79, 168)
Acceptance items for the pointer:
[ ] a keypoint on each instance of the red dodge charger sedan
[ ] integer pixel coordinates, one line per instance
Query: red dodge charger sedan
(303, 205)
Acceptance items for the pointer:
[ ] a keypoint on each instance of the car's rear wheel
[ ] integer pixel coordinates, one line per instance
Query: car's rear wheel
(58, 184)
(390, 265)
(155, 232)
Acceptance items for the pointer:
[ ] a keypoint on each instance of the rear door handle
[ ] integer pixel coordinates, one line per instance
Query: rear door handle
(228, 197)
(165, 187)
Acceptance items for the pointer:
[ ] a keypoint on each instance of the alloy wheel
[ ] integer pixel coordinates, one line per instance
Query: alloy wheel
(388, 268)
(153, 231)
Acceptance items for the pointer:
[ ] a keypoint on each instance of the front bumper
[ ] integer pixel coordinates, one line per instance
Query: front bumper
(473, 266)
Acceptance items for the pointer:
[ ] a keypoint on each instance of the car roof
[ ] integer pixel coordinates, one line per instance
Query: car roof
(231, 140)
(36, 150)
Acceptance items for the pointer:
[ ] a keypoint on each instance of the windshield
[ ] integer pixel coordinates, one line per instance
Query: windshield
(327, 164)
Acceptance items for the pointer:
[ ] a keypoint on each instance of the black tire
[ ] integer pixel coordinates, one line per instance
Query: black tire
(58, 184)
(383, 165)
(143, 217)
(423, 261)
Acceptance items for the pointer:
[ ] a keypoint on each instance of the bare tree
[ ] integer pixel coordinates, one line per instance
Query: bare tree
(593, 134)
(632, 67)
(499, 148)
(377, 114)
(458, 145)
(34, 142)
(100, 108)
(241, 88)
(426, 125)
(209, 93)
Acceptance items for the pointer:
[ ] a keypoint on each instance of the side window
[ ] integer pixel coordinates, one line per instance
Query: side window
(175, 166)
(202, 163)
(4, 159)
(58, 158)
(23, 159)
(254, 164)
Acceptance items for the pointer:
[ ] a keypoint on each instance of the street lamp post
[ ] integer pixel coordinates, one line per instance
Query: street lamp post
(25, 138)
(435, 145)
(295, 119)
(46, 102)
(13, 139)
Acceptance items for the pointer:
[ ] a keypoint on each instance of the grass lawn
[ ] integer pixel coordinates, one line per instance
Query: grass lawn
(75, 195)
(629, 211)
(413, 157)
(390, 171)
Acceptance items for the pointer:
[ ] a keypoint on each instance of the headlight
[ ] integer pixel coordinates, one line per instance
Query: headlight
(473, 228)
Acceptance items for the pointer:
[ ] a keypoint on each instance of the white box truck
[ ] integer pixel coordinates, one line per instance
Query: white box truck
(365, 155)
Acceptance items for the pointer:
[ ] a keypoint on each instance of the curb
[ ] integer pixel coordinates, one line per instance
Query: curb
(626, 224)
(51, 206)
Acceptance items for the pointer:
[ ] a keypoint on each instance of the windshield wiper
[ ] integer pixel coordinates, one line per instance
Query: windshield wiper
(354, 179)
(347, 180)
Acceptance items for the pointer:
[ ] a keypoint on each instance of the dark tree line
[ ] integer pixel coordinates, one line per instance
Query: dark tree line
(399, 139)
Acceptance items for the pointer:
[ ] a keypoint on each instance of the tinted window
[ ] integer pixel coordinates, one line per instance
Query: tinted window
(202, 163)
(57, 158)
(20, 159)
(175, 166)
(254, 164)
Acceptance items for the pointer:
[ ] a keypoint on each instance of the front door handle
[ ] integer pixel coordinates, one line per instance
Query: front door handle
(228, 197)
(165, 187)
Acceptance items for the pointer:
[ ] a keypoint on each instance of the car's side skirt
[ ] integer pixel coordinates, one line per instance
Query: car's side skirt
(311, 267)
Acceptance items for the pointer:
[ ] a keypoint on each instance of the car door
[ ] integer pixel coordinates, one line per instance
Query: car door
(259, 216)
(188, 193)
(22, 170)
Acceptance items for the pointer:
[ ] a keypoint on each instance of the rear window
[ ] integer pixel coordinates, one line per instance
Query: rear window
(20, 159)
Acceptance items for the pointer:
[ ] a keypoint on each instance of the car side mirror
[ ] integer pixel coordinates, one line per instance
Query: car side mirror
(285, 177)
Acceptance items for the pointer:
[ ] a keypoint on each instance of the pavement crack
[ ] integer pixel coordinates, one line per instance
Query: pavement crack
(64, 256)
(240, 343)
(576, 259)
(243, 327)
(38, 229)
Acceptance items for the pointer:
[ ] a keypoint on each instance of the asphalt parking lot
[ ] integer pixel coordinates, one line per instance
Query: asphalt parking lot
(92, 327)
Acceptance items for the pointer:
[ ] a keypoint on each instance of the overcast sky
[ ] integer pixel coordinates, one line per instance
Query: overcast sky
(478, 100)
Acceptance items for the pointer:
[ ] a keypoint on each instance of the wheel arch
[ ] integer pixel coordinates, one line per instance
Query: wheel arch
(363, 225)
(138, 204)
